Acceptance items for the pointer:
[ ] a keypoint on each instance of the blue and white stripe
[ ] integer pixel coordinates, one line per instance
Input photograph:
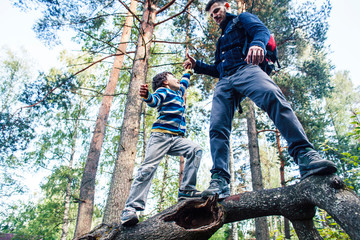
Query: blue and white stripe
(171, 107)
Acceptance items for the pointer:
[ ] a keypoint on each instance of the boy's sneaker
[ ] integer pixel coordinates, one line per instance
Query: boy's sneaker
(188, 194)
(311, 163)
(129, 217)
(218, 185)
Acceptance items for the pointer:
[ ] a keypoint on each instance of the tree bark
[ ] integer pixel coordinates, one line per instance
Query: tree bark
(262, 230)
(195, 219)
(124, 165)
(87, 186)
(282, 179)
(234, 228)
(66, 219)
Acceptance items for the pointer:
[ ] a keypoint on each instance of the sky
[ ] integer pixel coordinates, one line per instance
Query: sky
(344, 31)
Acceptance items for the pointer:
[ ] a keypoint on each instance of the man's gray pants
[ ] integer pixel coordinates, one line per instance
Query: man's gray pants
(158, 145)
(250, 81)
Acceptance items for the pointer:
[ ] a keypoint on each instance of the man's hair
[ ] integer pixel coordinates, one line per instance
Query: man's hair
(211, 2)
(158, 80)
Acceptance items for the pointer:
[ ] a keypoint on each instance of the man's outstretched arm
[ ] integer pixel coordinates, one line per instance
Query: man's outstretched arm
(200, 67)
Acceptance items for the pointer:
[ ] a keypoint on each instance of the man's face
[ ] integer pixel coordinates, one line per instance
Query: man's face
(172, 83)
(218, 11)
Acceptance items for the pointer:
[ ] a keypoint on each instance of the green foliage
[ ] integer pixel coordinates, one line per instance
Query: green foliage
(16, 133)
(34, 221)
(49, 92)
(222, 233)
(328, 228)
(16, 126)
(356, 121)
(349, 158)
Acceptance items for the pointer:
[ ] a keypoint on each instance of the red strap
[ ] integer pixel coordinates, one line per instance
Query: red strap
(271, 44)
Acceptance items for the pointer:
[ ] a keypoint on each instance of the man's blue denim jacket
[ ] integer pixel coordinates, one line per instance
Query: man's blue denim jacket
(229, 55)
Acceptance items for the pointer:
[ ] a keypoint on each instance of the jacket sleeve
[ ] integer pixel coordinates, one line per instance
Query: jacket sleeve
(155, 99)
(203, 68)
(258, 32)
(185, 81)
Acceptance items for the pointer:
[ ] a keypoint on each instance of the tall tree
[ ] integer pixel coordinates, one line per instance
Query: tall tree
(127, 148)
(16, 128)
(87, 188)
(68, 192)
(124, 165)
(262, 231)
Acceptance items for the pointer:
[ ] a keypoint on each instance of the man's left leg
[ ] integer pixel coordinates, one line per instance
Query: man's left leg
(222, 113)
(252, 82)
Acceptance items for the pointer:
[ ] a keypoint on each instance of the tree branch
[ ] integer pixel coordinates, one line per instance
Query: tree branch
(163, 41)
(80, 71)
(127, 8)
(165, 7)
(184, 10)
(196, 219)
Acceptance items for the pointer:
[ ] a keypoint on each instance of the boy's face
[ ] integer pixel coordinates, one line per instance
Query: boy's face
(218, 11)
(171, 82)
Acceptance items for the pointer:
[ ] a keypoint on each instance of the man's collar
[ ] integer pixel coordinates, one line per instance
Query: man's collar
(229, 17)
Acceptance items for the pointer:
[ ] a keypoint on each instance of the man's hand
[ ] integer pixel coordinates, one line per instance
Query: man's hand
(144, 91)
(189, 63)
(255, 55)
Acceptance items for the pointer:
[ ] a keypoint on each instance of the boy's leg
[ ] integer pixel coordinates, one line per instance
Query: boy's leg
(158, 145)
(193, 153)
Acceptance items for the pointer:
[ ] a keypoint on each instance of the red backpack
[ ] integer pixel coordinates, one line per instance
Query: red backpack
(268, 65)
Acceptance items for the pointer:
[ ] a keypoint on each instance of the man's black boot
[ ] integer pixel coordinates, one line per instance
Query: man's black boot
(310, 163)
(218, 185)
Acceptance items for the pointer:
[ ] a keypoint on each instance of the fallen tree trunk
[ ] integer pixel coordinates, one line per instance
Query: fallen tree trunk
(197, 219)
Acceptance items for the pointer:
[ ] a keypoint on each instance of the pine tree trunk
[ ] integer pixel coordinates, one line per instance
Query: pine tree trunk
(181, 169)
(127, 149)
(66, 221)
(234, 228)
(87, 187)
(164, 183)
(283, 184)
(262, 231)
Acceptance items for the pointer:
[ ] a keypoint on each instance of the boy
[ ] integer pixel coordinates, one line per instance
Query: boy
(166, 138)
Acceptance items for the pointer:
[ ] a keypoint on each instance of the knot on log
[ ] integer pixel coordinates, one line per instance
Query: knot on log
(337, 183)
(197, 215)
(102, 231)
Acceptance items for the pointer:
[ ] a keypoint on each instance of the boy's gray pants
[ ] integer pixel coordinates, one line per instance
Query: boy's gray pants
(158, 145)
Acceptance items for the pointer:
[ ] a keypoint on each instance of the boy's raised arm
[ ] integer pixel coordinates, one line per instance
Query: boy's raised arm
(144, 91)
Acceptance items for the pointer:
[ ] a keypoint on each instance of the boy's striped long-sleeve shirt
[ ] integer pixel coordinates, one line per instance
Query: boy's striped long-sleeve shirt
(171, 107)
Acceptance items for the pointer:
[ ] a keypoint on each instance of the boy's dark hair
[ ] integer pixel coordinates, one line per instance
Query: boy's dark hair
(158, 80)
(211, 2)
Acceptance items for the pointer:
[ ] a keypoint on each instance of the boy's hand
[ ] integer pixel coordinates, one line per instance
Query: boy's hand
(144, 91)
(189, 63)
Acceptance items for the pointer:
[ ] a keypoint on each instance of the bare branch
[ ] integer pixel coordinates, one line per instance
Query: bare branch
(165, 7)
(184, 10)
(108, 43)
(52, 90)
(163, 41)
(127, 8)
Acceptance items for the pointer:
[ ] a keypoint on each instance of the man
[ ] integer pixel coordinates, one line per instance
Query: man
(240, 77)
